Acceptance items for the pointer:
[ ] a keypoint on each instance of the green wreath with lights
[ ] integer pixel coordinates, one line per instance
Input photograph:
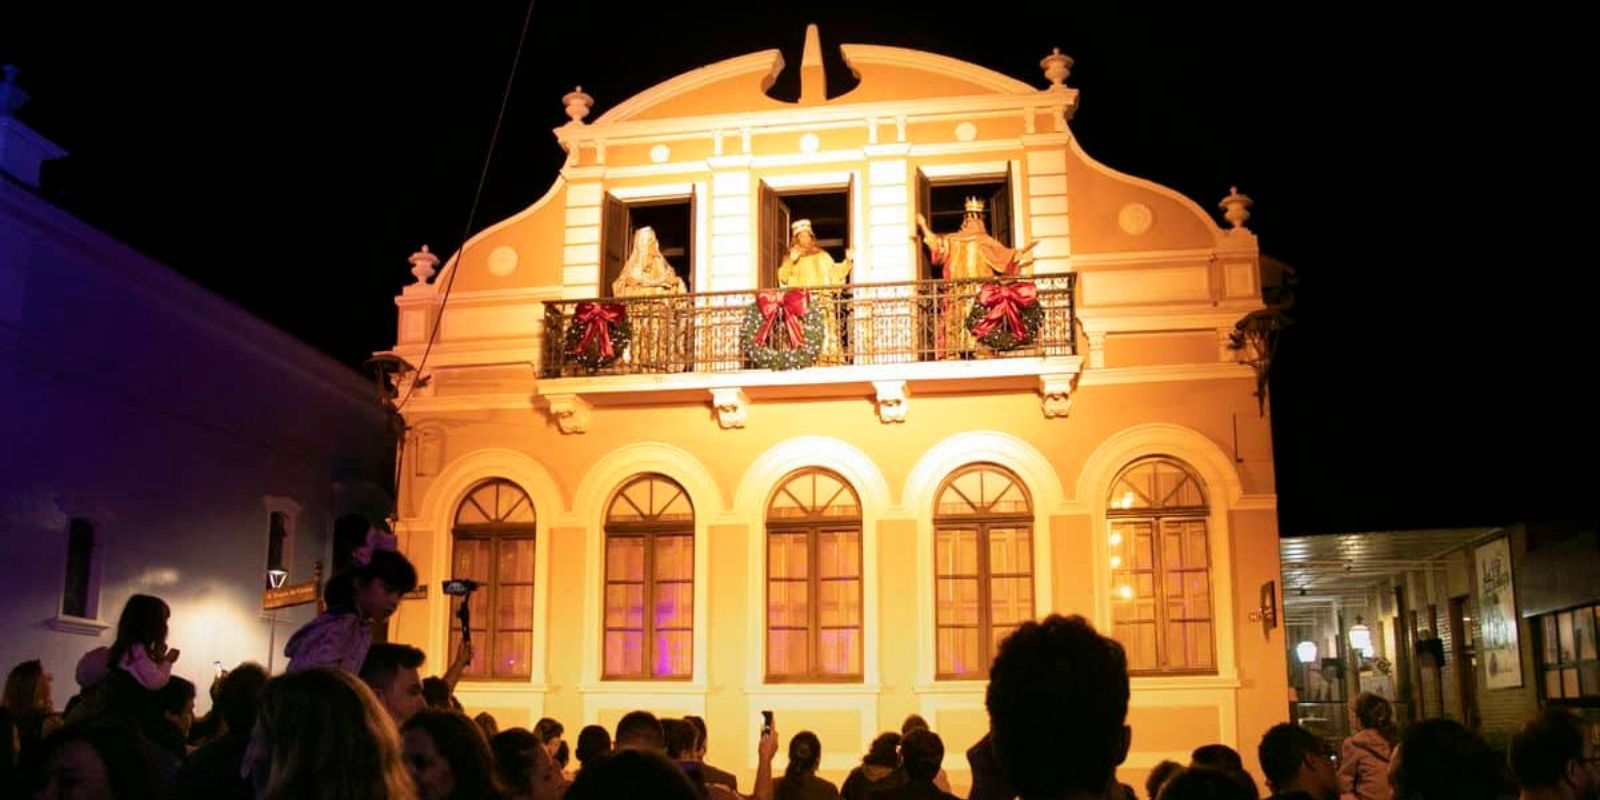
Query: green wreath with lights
(1006, 315)
(782, 330)
(598, 335)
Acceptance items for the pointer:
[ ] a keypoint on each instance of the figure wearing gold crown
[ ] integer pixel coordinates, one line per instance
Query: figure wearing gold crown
(969, 253)
(808, 266)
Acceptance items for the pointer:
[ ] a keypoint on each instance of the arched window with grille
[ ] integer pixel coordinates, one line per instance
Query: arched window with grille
(814, 579)
(493, 539)
(1161, 568)
(983, 566)
(649, 592)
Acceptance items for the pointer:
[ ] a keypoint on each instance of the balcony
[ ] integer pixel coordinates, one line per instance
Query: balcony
(881, 337)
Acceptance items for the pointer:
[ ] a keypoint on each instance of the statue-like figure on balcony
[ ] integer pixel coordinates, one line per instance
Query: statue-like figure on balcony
(969, 253)
(660, 327)
(808, 266)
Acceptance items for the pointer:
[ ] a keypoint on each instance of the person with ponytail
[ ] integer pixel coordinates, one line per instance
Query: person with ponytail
(1364, 758)
(340, 636)
(800, 781)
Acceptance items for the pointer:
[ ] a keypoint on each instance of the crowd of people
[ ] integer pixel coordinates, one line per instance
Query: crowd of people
(351, 719)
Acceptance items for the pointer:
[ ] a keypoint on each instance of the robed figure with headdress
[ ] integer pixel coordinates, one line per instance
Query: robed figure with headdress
(969, 255)
(659, 326)
(808, 266)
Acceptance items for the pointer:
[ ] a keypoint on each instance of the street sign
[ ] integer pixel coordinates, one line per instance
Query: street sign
(287, 596)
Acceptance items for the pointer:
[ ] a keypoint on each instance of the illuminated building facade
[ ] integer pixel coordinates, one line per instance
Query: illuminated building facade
(706, 520)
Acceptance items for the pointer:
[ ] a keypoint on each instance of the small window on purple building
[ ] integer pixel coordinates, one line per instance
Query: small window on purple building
(76, 599)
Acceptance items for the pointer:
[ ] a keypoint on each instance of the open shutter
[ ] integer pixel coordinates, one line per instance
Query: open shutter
(774, 243)
(690, 272)
(615, 238)
(850, 220)
(1000, 219)
(925, 208)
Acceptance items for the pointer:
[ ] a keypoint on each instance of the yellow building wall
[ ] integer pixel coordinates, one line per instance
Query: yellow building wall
(1166, 390)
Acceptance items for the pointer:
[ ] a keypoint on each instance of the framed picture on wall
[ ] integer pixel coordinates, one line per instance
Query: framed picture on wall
(1497, 623)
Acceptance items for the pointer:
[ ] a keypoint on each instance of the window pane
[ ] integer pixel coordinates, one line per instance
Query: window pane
(787, 555)
(1197, 593)
(513, 655)
(1139, 640)
(1010, 600)
(840, 604)
(839, 554)
(516, 560)
(786, 652)
(516, 608)
(625, 605)
(625, 558)
(1583, 633)
(956, 552)
(787, 604)
(472, 559)
(674, 558)
(674, 656)
(839, 652)
(1144, 547)
(674, 605)
(1564, 629)
(471, 513)
(1569, 683)
(624, 653)
(1589, 676)
(1200, 639)
(958, 601)
(1195, 553)
(1010, 551)
(958, 651)
(1547, 629)
(1552, 683)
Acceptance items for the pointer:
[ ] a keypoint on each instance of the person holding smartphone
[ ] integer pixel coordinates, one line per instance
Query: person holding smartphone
(140, 666)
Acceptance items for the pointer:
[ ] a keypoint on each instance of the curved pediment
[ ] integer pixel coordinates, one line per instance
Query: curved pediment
(740, 84)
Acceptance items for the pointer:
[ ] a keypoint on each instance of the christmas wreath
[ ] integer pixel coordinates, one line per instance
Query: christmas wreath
(1006, 314)
(598, 334)
(782, 330)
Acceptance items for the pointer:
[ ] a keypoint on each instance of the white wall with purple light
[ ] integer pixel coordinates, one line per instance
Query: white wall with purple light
(172, 423)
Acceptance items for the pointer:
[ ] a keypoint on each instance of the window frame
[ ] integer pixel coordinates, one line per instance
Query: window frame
(813, 525)
(983, 524)
(496, 533)
(648, 531)
(1543, 667)
(1156, 515)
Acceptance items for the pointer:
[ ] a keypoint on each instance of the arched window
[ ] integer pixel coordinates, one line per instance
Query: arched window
(1161, 568)
(493, 538)
(649, 613)
(983, 566)
(814, 579)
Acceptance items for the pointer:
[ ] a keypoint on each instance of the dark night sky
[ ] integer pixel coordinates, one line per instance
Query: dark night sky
(290, 156)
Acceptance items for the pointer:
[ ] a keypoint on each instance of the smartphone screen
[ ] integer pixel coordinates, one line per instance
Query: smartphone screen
(766, 723)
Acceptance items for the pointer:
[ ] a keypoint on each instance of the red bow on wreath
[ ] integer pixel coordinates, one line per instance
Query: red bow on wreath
(789, 307)
(597, 319)
(1005, 301)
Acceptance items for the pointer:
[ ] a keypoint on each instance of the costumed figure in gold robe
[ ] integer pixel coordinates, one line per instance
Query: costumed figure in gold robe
(807, 266)
(969, 253)
(659, 332)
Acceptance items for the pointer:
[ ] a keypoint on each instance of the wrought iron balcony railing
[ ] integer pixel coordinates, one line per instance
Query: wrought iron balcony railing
(864, 324)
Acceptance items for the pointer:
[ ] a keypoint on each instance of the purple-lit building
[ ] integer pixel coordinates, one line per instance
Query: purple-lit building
(157, 439)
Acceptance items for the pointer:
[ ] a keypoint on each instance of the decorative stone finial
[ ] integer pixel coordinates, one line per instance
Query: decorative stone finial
(423, 264)
(11, 95)
(578, 104)
(1057, 67)
(1234, 207)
